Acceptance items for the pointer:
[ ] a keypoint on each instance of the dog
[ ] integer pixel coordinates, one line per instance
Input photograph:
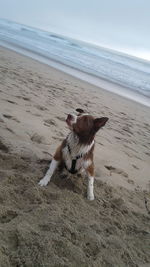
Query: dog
(76, 151)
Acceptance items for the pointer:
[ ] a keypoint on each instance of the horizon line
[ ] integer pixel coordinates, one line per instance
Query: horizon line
(83, 41)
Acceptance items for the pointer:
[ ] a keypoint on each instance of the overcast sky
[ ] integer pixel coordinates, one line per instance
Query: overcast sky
(122, 25)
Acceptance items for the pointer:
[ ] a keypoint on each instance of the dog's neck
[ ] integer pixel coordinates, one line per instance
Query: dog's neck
(76, 147)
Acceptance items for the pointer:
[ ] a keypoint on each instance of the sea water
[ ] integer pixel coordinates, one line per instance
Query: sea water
(121, 69)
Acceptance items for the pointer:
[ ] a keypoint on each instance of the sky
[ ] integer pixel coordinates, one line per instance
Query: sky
(122, 25)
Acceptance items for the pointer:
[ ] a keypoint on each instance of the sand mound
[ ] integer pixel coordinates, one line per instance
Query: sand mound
(57, 226)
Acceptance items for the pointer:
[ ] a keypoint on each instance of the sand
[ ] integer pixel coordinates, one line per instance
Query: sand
(57, 225)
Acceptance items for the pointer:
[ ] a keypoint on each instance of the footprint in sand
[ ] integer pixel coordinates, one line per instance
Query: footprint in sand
(1, 120)
(26, 98)
(130, 181)
(57, 138)
(116, 170)
(3, 147)
(135, 167)
(100, 143)
(35, 114)
(122, 113)
(7, 116)
(12, 102)
(118, 138)
(127, 129)
(49, 122)
(41, 107)
(39, 139)
(10, 130)
(8, 216)
(60, 118)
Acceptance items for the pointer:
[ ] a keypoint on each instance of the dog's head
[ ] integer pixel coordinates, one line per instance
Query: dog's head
(84, 125)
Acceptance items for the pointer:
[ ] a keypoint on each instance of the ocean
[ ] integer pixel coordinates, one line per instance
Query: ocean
(109, 65)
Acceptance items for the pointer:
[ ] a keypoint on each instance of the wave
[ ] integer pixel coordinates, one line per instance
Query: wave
(113, 66)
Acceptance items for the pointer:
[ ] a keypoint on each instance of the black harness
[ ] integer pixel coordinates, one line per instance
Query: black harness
(74, 162)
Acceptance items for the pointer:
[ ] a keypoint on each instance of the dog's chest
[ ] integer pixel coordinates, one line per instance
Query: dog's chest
(80, 161)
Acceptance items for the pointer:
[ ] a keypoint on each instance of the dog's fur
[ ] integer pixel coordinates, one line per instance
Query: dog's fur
(76, 151)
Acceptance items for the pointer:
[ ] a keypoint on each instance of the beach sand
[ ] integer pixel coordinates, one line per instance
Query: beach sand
(57, 225)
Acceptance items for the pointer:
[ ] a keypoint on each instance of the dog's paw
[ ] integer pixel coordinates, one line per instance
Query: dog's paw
(43, 182)
(90, 197)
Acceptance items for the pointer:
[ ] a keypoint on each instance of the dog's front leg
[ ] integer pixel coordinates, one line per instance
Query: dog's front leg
(49, 173)
(54, 163)
(90, 189)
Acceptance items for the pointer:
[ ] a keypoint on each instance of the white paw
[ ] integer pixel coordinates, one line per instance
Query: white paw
(43, 182)
(90, 197)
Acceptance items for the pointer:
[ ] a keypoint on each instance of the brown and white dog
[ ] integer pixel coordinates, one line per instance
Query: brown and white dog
(76, 151)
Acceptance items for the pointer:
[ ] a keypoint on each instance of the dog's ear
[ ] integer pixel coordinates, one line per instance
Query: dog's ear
(99, 122)
(80, 110)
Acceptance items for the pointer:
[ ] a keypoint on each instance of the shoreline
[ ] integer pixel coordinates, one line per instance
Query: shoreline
(79, 74)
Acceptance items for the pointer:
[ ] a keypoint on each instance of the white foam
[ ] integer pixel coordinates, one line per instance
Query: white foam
(101, 83)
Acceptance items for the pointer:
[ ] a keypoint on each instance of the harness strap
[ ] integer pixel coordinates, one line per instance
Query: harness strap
(73, 166)
(74, 161)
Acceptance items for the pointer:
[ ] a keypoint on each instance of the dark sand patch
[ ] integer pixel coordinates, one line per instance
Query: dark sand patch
(3, 147)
